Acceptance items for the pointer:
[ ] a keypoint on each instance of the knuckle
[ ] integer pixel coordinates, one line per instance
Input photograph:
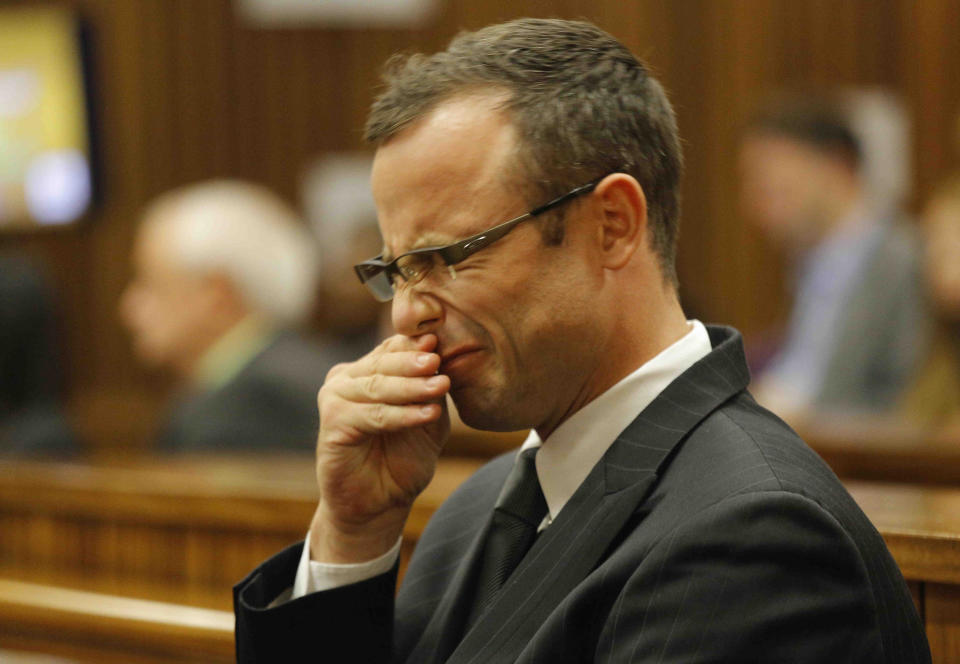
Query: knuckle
(328, 390)
(327, 407)
(379, 414)
(378, 363)
(323, 394)
(335, 370)
(372, 385)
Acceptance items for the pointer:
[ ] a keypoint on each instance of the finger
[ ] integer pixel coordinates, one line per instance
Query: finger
(426, 342)
(397, 390)
(396, 363)
(375, 418)
(400, 342)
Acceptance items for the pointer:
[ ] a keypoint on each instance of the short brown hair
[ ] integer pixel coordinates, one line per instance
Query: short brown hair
(821, 122)
(582, 105)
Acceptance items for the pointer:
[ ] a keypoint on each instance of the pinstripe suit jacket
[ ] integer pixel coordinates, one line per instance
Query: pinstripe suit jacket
(707, 533)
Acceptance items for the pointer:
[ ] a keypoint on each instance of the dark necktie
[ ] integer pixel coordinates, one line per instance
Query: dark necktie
(517, 515)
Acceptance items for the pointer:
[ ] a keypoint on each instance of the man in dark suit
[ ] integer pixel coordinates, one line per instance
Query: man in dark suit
(857, 324)
(224, 271)
(655, 513)
(269, 404)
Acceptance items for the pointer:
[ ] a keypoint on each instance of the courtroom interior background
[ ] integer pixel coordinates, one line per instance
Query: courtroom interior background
(187, 89)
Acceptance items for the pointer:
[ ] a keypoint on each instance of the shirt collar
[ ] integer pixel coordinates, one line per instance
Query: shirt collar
(575, 447)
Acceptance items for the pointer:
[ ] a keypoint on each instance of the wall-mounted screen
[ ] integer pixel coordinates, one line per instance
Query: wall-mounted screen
(45, 145)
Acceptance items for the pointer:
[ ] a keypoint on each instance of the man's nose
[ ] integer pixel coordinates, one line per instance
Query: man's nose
(415, 312)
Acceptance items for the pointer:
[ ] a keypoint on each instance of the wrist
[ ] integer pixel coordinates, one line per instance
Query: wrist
(340, 543)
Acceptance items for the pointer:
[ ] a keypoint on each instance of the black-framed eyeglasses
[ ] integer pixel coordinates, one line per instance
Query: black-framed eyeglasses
(381, 277)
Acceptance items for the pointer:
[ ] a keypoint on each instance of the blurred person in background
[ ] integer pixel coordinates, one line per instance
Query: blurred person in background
(857, 322)
(224, 272)
(933, 400)
(339, 208)
(31, 413)
(352, 323)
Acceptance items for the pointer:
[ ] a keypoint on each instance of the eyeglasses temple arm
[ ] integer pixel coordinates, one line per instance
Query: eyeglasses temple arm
(590, 186)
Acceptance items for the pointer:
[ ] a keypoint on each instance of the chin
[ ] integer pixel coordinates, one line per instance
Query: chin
(150, 356)
(480, 410)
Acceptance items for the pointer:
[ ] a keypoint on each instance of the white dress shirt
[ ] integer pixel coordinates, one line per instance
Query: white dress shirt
(566, 457)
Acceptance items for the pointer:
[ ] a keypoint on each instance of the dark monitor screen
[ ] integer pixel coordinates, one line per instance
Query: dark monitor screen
(45, 144)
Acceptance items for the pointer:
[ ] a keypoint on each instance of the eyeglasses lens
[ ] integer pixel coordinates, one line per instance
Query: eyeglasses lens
(376, 280)
(415, 267)
(411, 269)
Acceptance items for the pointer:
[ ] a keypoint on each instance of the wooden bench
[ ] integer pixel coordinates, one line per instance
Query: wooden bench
(921, 526)
(197, 525)
(885, 451)
(95, 627)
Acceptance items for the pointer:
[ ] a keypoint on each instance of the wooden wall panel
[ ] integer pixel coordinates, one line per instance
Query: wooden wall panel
(929, 78)
(942, 604)
(186, 90)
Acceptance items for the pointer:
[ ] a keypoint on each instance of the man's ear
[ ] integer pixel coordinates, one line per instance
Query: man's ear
(222, 294)
(623, 227)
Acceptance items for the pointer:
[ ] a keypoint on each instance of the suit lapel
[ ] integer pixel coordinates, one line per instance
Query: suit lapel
(589, 523)
(445, 629)
(560, 559)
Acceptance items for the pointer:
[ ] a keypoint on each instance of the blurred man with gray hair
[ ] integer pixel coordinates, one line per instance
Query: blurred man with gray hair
(224, 272)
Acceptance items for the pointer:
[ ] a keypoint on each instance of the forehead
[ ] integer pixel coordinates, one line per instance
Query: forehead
(447, 175)
(153, 250)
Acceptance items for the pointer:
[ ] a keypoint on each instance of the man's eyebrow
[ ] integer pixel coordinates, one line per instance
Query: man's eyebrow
(425, 240)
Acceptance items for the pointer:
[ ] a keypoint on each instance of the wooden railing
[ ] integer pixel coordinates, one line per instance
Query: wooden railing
(182, 531)
(95, 627)
(921, 526)
(197, 523)
(885, 451)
